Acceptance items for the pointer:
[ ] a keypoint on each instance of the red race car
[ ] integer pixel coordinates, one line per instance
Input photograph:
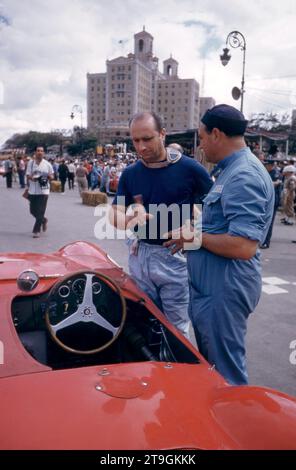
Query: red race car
(87, 361)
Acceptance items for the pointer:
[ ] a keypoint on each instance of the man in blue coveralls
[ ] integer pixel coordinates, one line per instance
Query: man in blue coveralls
(159, 180)
(225, 273)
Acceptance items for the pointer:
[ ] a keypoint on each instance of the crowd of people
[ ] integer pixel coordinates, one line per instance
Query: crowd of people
(89, 173)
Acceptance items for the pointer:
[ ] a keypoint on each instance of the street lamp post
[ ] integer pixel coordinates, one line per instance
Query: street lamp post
(76, 108)
(236, 39)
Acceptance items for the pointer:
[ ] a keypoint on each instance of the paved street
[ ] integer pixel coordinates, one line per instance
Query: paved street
(271, 328)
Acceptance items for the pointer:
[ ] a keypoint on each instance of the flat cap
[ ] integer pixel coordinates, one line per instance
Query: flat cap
(225, 118)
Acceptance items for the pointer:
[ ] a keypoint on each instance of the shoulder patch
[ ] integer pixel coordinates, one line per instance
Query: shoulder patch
(218, 188)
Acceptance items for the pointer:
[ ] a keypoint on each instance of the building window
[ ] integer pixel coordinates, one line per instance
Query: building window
(141, 45)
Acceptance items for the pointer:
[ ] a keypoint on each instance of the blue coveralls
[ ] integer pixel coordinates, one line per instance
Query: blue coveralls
(224, 291)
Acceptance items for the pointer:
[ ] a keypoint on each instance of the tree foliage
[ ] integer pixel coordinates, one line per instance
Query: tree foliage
(30, 140)
(272, 122)
(78, 143)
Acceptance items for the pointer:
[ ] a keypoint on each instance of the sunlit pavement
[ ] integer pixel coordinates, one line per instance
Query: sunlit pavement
(271, 328)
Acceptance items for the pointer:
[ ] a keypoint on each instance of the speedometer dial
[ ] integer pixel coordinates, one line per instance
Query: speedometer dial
(78, 287)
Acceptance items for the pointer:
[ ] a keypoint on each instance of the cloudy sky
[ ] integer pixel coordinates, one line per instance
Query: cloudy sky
(47, 47)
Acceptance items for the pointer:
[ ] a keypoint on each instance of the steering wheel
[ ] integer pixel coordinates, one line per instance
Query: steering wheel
(86, 311)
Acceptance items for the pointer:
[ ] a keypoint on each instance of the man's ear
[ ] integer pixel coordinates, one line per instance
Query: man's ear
(216, 133)
(163, 133)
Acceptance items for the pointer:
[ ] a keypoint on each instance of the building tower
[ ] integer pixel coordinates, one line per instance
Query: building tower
(170, 68)
(143, 46)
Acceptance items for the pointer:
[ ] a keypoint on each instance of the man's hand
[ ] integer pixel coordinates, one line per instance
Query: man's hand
(180, 237)
(139, 216)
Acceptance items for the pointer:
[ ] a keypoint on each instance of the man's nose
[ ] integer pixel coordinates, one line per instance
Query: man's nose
(142, 145)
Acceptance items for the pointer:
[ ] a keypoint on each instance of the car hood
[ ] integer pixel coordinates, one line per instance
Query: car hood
(71, 258)
(142, 406)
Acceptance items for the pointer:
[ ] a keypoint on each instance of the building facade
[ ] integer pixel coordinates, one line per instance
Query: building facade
(134, 84)
(205, 103)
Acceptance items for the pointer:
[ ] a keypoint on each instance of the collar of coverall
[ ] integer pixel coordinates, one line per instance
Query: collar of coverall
(172, 156)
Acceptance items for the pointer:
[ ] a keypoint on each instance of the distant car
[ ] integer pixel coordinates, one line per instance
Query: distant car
(87, 361)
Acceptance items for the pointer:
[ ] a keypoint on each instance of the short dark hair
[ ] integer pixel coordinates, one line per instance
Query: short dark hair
(158, 122)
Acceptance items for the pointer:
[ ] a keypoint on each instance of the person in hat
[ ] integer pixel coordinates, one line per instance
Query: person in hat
(161, 183)
(289, 194)
(225, 273)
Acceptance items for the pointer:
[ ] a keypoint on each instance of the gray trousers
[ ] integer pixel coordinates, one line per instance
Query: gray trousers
(163, 277)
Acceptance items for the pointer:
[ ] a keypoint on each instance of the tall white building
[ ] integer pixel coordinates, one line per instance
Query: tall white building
(133, 84)
(205, 104)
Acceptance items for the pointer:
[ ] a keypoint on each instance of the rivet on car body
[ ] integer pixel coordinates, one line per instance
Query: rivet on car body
(144, 384)
(104, 372)
(98, 388)
(168, 366)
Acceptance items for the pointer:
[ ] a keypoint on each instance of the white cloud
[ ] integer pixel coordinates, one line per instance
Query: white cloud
(47, 48)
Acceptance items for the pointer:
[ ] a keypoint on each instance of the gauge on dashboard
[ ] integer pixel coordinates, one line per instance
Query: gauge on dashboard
(78, 286)
(64, 291)
(96, 287)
